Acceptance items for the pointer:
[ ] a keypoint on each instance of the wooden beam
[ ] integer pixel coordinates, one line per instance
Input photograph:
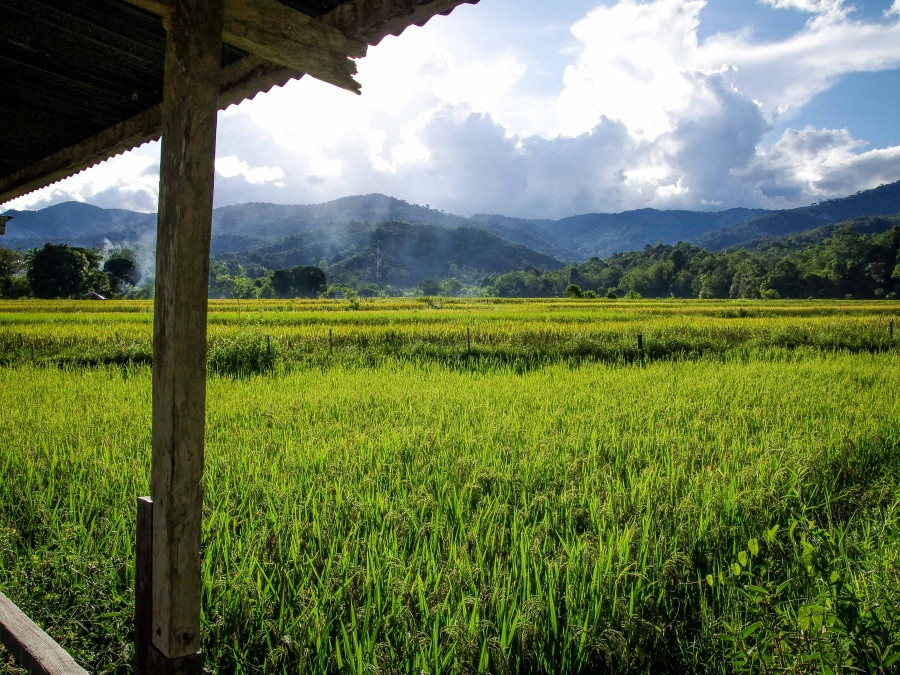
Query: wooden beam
(190, 102)
(33, 648)
(277, 33)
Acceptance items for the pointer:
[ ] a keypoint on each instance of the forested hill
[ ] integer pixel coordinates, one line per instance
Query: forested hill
(573, 239)
(394, 254)
(858, 258)
(881, 201)
(602, 234)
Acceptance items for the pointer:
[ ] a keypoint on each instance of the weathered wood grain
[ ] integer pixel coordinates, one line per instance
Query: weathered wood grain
(277, 33)
(38, 653)
(190, 102)
(143, 586)
(274, 32)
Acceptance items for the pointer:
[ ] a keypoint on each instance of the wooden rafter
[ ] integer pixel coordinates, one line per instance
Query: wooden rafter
(277, 33)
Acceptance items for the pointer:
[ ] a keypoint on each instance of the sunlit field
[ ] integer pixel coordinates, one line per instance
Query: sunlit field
(443, 486)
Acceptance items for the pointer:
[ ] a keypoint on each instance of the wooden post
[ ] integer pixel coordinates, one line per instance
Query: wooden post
(191, 89)
(468, 340)
(143, 586)
(891, 330)
(640, 345)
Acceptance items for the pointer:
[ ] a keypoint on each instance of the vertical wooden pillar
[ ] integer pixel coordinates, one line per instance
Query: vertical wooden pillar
(193, 54)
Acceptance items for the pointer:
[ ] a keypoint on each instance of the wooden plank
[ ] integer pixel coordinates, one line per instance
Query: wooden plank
(190, 100)
(282, 35)
(38, 653)
(277, 33)
(143, 586)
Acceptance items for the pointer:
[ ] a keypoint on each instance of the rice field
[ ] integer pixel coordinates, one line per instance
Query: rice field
(427, 486)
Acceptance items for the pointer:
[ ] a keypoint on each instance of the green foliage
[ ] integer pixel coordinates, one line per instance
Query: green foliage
(242, 355)
(122, 269)
(572, 291)
(846, 262)
(430, 286)
(808, 605)
(375, 513)
(302, 281)
(61, 271)
(12, 283)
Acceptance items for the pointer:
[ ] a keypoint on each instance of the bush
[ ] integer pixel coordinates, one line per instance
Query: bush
(243, 355)
(573, 291)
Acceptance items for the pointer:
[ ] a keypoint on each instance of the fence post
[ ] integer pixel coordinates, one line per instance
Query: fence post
(640, 346)
(891, 330)
(468, 340)
(143, 589)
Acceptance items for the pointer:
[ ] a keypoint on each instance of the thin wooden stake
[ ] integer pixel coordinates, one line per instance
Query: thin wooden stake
(143, 586)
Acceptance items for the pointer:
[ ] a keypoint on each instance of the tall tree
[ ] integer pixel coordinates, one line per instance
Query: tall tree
(122, 269)
(12, 263)
(62, 271)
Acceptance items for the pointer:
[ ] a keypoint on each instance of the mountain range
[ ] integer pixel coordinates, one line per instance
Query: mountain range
(390, 241)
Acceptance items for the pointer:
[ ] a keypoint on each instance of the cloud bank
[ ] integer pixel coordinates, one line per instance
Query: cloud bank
(643, 113)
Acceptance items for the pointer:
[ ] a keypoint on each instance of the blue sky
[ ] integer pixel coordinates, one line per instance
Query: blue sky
(545, 109)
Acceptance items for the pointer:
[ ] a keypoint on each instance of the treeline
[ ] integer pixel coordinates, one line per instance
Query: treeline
(233, 280)
(62, 271)
(847, 263)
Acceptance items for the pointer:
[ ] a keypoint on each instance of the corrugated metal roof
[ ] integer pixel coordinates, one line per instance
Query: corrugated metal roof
(71, 70)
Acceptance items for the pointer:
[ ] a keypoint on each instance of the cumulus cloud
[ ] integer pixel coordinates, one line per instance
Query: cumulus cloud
(642, 112)
(128, 181)
(809, 164)
(231, 166)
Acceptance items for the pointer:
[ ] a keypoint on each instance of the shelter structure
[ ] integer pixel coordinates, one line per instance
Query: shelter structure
(84, 81)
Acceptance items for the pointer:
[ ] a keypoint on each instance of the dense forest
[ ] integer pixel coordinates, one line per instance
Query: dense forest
(859, 259)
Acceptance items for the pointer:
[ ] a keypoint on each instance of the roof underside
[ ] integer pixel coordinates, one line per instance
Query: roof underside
(71, 72)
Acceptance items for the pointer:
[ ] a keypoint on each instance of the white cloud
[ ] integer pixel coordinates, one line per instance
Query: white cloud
(785, 75)
(641, 112)
(811, 164)
(231, 166)
(630, 66)
(128, 181)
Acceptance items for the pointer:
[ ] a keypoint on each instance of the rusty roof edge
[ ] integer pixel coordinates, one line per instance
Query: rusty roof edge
(373, 20)
(241, 81)
(368, 20)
